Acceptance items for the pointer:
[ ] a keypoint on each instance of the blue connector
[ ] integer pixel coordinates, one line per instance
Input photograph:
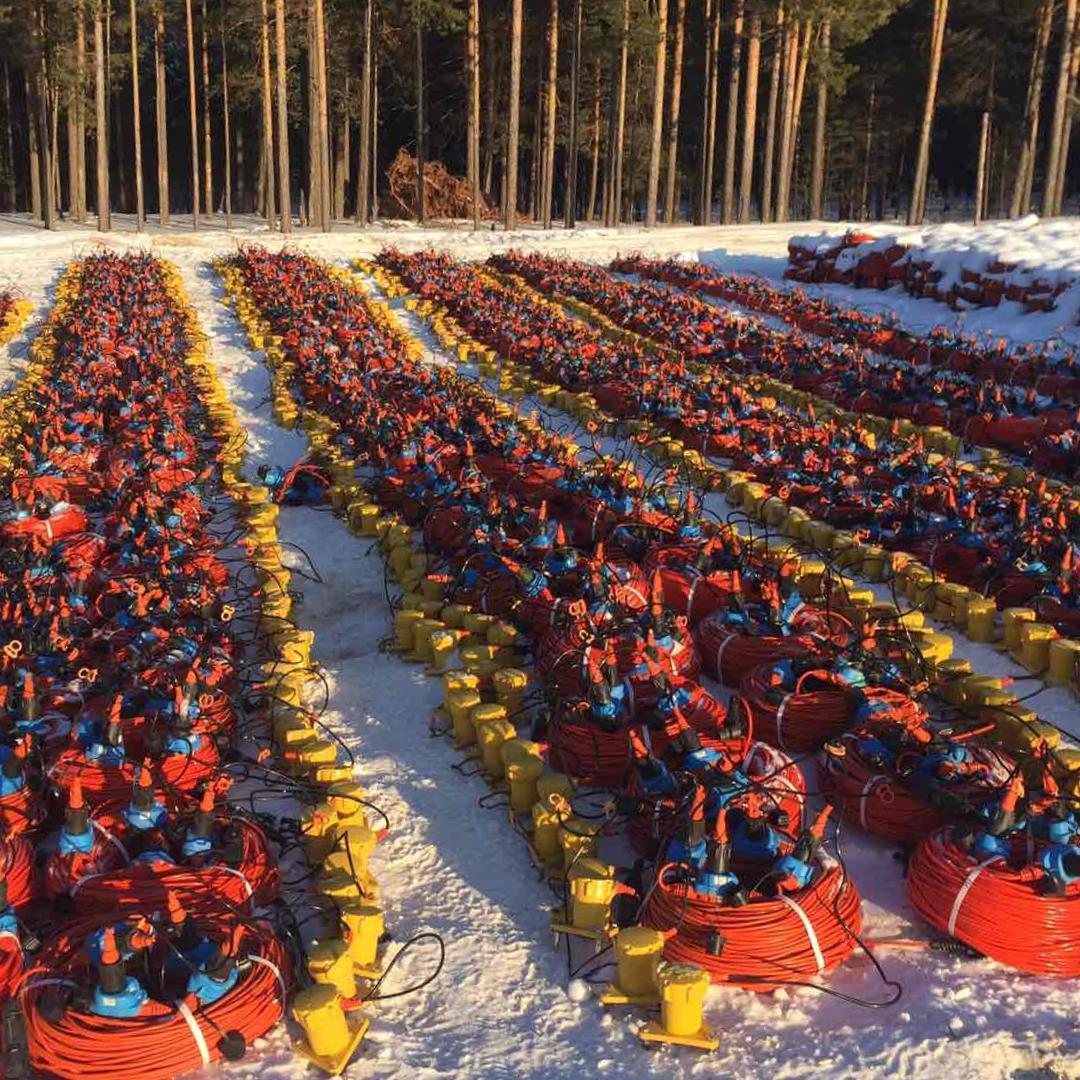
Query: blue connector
(716, 884)
(197, 845)
(76, 843)
(152, 817)
(125, 1005)
(207, 989)
(1061, 863)
(789, 868)
(987, 845)
(679, 851)
(746, 846)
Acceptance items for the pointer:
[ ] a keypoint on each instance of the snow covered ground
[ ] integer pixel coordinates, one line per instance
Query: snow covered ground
(501, 1008)
(1030, 249)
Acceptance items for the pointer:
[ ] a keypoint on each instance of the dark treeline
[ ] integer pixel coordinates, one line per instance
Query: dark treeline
(573, 110)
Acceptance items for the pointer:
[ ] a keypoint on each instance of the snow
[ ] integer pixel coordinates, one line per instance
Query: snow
(1032, 250)
(503, 1006)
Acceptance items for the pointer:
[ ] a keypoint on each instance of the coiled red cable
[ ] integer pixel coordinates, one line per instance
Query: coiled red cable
(17, 869)
(728, 655)
(160, 1044)
(800, 720)
(1000, 911)
(147, 885)
(764, 943)
(875, 799)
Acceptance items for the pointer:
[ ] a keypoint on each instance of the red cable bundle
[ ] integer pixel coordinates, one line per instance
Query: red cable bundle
(146, 885)
(1000, 911)
(20, 810)
(11, 965)
(600, 758)
(162, 1043)
(800, 720)
(728, 655)
(875, 800)
(17, 869)
(768, 941)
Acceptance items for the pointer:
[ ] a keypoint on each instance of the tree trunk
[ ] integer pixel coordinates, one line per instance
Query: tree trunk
(1025, 168)
(80, 108)
(570, 209)
(550, 110)
(268, 203)
(474, 109)
(193, 114)
(606, 212)
(48, 201)
(590, 210)
(76, 131)
(713, 76)
(363, 170)
(54, 144)
(208, 146)
(657, 142)
(311, 127)
(341, 159)
(700, 216)
(33, 150)
(161, 116)
(734, 80)
(771, 118)
(980, 173)
(284, 184)
(322, 104)
(493, 81)
(375, 124)
(70, 132)
(673, 119)
(620, 121)
(9, 138)
(787, 109)
(536, 179)
(1066, 131)
(917, 210)
(104, 213)
(1061, 104)
(630, 191)
(753, 69)
(864, 194)
(136, 111)
(421, 189)
(796, 113)
(511, 184)
(227, 120)
(817, 182)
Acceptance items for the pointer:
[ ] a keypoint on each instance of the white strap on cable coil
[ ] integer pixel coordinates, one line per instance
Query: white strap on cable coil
(236, 873)
(720, 654)
(596, 518)
(114, 840)
(184, 1010)
(964, 889)
(76, 886)
(39, 984)
(690, 596)
(276, 970)
(864, 798)
(780, 709)
(819, 956)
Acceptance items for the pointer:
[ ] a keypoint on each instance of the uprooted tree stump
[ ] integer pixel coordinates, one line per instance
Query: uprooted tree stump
(448, 196)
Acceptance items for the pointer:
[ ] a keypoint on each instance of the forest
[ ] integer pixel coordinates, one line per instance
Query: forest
(607, 111)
